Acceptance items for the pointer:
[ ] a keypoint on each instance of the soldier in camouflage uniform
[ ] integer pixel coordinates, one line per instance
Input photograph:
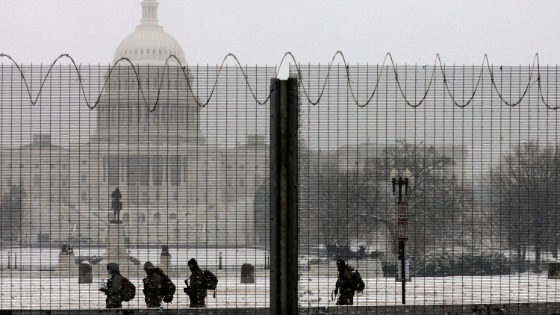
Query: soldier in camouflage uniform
(153, 285)
(113, 288)
(196, 286)
(344, 284)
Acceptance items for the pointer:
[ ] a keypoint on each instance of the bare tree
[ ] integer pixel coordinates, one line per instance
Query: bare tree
(351, 203)
(437, 198)
(527, 203)
(336, 206)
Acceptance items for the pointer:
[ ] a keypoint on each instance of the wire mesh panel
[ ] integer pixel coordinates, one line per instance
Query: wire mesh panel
(453, 167)
(132, 164)
(442, 176)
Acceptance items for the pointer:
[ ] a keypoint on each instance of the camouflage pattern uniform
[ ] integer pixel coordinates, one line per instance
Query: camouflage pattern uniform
(196, 286)
(344, 284)
(153, 285)
(114, 285)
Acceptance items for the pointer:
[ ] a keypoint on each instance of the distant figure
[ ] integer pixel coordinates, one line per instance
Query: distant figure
(198, 282)
(157, 286)
(348, 282)
(165, 250)
(118, 288)
(67, 249)
(113, 287)
(64, 249)
(116, 205)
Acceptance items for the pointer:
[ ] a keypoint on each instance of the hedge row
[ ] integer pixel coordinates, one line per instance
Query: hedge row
(447, 264)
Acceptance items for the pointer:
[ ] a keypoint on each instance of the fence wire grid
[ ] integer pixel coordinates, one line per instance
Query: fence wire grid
(480, 152)
(479, 149)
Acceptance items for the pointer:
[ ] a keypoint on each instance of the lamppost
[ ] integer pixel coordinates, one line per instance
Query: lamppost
(402, 222)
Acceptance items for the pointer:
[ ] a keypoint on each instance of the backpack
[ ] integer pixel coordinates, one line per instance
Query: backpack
(168, 289)
(128, 290)
(357, 282)
(210, 280)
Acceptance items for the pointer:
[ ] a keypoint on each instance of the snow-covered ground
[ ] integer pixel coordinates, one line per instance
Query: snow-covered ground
(45, 290)
(55, 290)
(205, 256)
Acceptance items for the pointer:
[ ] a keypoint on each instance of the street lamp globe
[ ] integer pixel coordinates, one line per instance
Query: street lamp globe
(408, 174)
(393, 173)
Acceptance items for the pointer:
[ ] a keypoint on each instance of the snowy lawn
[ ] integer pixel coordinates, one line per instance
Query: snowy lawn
(45, 290)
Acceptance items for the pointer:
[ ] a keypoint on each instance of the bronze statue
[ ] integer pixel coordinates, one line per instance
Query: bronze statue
(116, 205)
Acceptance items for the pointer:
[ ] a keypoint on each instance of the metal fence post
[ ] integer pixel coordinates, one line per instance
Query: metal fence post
(284, 108)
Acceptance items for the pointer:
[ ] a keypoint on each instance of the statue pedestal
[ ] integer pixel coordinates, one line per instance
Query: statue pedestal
(67, 265)
(165, 264)
(117, 239)
(116, 245)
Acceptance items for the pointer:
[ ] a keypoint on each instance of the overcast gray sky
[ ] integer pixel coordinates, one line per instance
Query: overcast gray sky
(260, 31)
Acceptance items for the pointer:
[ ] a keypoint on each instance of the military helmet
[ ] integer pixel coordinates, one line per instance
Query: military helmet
(148, 266)
(340, 263)
(193, 262)
(113, 267)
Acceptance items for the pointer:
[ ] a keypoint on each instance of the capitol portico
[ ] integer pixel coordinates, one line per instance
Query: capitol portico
(177, 188)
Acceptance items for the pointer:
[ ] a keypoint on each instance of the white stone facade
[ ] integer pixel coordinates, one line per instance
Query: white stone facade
(175, 186)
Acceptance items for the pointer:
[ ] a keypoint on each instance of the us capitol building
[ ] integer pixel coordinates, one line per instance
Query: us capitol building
(177, 188)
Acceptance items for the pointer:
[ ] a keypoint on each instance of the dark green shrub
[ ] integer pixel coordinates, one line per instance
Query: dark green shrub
(442, 264)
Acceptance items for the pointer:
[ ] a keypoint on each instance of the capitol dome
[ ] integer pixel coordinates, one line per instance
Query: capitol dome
(149, 43)
(121, 114)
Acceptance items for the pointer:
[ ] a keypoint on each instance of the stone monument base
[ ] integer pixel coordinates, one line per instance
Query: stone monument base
(67, 265)
(165, 264)
(117, 239)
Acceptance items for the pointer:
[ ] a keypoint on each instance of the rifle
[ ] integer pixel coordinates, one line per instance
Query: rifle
(188, 288)
(334, 293)
(103, 285)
